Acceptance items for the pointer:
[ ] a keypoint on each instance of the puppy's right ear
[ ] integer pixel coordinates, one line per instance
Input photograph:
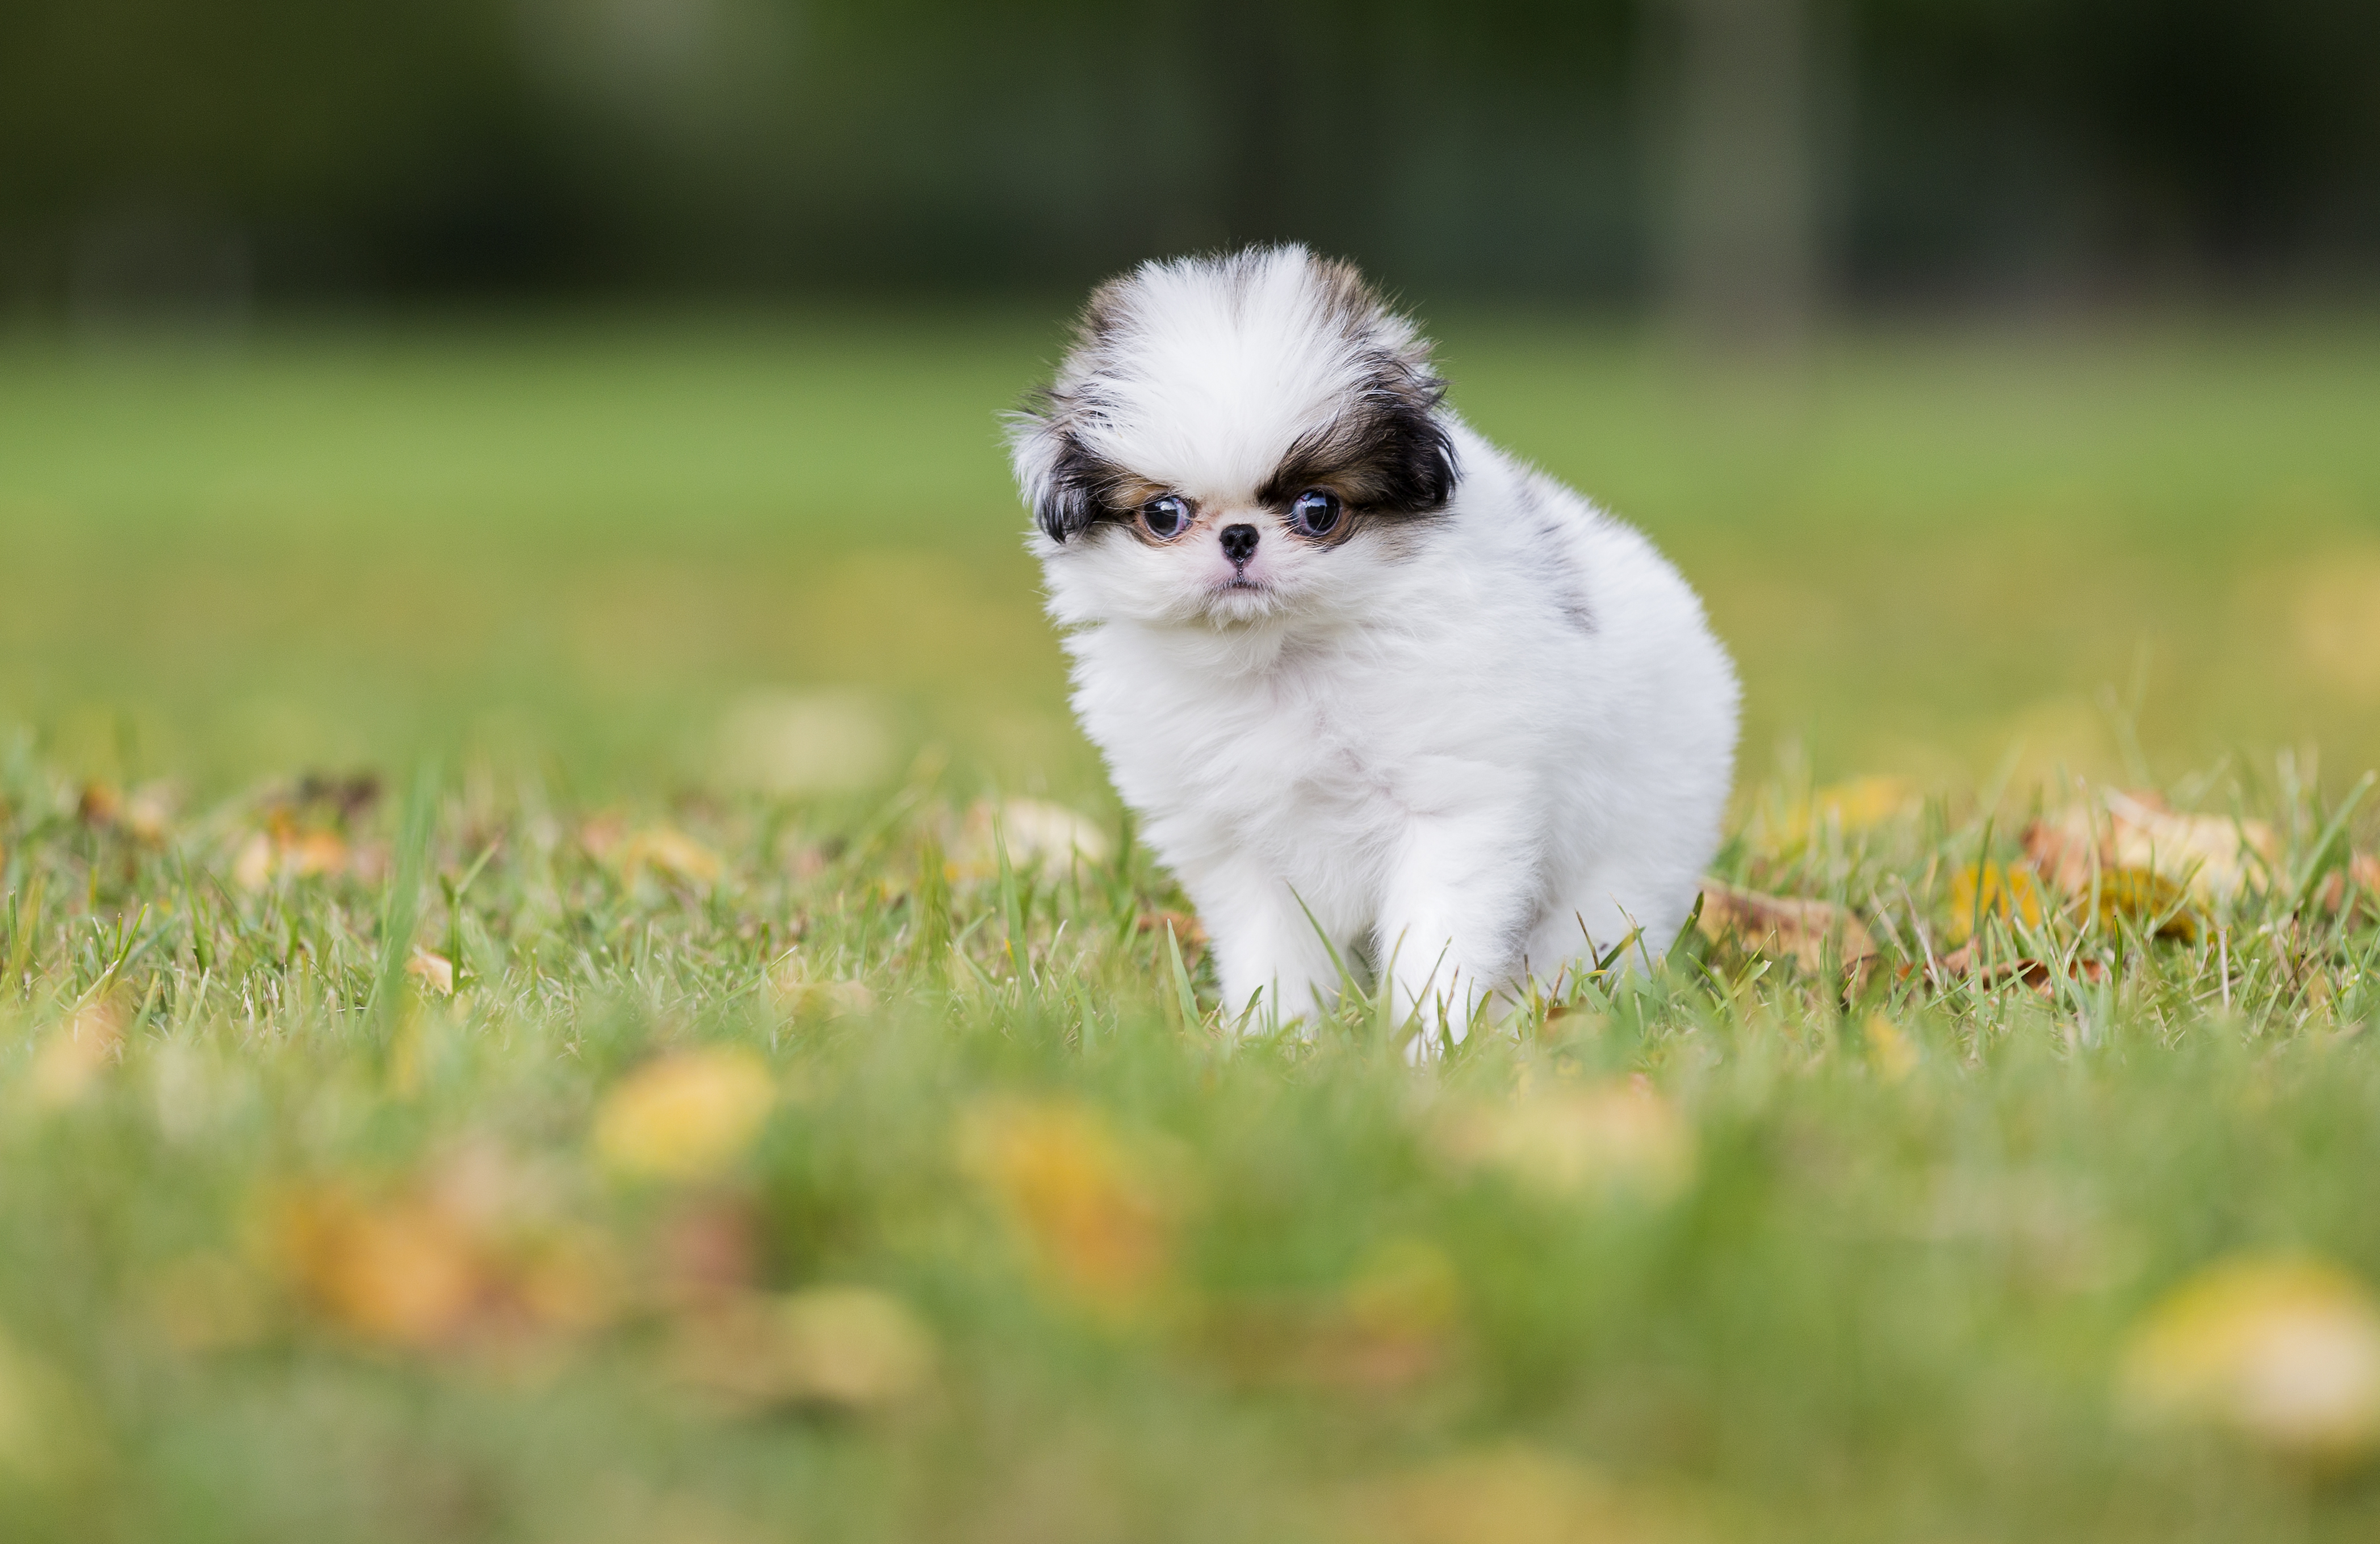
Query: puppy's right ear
(1059, 480)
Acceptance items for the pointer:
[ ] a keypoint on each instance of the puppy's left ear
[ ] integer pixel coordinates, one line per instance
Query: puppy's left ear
(1423, 449)
(1412, 451)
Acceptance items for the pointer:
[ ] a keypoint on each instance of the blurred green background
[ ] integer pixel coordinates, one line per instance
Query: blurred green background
(574, 379)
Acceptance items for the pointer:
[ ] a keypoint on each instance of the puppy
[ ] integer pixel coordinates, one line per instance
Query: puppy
(1379, 692)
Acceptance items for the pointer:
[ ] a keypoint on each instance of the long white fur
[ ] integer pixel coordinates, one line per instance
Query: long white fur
(1473, 749)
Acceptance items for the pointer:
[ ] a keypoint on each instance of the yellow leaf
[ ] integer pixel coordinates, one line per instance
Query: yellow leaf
(1090, 1208)
(797, 996)
(2013, 894)
(1890, 1049)
(2114, 896)
(2283, 1352)
(1612, 1138)
(666, 851)
(688, 1115)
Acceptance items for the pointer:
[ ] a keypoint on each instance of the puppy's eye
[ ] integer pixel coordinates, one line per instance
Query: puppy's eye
(1165, 516)
(1316, 513)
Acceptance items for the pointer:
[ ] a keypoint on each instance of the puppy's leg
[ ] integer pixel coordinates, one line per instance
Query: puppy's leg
(1264, 943)
(1458, 901)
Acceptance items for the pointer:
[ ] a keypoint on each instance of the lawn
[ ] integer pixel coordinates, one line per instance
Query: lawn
(568, 978)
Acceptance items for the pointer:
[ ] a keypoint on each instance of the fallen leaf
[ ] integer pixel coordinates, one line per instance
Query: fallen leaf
(149, 813)
(1961, 965)
(1807, 932)
(706, 1253)
(1510, 1495)
(399, 1271)
(2214, 856)
(1035, 832)
(1613, 1138)
(1089, 1205)
(2114, 896)
(434, 971)
(689, 1115)
(2358, 884)
(1890, 1048)
(252, 868)
(2010, 893)
(98, 803)
(74, 1054)
(664, 851)
(469, 1253)
(287, 849)
(798, 996)
(850, 1348)
(2282, 1352)
(1188, 930)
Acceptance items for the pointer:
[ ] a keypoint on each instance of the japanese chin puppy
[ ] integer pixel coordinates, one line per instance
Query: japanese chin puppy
(1381, 693)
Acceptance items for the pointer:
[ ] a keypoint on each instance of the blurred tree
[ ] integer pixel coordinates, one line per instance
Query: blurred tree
(373, 147)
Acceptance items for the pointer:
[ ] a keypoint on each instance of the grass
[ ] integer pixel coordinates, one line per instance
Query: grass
(641, 1130)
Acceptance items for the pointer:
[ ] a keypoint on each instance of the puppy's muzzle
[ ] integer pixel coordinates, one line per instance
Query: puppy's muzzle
(1239, 544)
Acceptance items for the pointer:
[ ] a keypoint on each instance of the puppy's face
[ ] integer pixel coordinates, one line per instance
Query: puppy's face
(1230, 441)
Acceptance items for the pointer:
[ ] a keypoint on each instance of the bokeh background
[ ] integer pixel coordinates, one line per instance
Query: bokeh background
(612, 384)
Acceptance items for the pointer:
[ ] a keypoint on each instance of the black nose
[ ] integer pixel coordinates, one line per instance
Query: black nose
(1239, 544)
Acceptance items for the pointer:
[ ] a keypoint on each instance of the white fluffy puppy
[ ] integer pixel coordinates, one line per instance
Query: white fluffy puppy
(1372, 685)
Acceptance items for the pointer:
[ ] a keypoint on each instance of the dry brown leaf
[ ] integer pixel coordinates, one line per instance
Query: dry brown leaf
(706, 1253)
(464, 1254)
(1807, 932)
(2214, 856)
(2358, 884)
(1188, 931)
(1960, 965)
(285, 849)
(98, 803)
(434, 971)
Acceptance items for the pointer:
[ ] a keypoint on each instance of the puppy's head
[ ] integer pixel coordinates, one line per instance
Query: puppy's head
(1230, 440)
